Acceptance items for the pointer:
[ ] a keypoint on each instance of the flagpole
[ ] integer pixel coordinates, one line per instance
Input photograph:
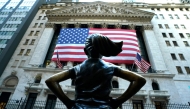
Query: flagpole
(132, 65)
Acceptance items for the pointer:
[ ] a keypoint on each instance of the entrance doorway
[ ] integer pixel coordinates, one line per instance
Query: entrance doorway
(4, 98)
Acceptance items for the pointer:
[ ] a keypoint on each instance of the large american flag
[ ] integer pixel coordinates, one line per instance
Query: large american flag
(141, 63)
(71, 41)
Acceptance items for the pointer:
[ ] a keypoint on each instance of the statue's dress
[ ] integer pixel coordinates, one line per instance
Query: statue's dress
(93, 85)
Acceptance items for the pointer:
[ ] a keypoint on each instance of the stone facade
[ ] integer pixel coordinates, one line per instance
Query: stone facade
(173, 87)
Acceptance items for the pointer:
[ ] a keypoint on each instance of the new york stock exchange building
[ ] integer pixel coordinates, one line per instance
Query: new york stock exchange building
(163, 36)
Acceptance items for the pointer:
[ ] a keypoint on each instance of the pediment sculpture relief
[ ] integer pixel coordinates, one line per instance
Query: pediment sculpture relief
(98, 9)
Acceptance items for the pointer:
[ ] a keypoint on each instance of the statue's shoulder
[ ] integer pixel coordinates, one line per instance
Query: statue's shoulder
(112, 65)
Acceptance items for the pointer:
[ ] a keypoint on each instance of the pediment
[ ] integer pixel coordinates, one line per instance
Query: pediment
(99, 8)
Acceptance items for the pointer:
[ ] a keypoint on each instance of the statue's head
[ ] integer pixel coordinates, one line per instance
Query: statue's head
(97, 45)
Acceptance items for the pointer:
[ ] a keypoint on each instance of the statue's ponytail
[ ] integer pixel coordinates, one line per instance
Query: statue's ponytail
(97, 44)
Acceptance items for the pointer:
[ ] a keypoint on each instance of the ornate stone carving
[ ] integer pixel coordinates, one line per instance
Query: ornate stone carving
(148, 27)
(98, 8)
(49, 25)
(63, 25)
(77, 25)
(14, 72)
(90, 25)
(132, 26)
(104, 25)
(118, 25)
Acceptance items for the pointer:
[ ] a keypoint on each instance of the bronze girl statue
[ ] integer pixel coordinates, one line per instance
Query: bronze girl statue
(93, 77)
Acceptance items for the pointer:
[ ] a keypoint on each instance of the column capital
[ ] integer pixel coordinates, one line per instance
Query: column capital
(49, 25)
(63, 25)
(77, 25)
(118, 26)
(90, 25)
(104, 25)
(132, 26)
(147, 27)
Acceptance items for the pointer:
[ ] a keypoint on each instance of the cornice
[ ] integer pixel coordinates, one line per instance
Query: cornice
(157, 75)
(126, 5)
(56, 70)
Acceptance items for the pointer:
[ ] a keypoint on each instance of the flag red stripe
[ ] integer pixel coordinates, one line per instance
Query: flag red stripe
(105, 29)
(121, 39)
(82, 59)
(130, 46)
(82, 53)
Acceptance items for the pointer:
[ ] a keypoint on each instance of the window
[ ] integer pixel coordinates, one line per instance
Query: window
(51, 102)
(166, 25)
(183, 26)
(170, 16)
(160, 105)
(137, 104)
(15, 63)
(181, 57)
(166, 9)
(158, 9)
(186, 16)
(32, 42)
(161, 15)
(37, 33)
(173, 56)
(187, 9)
(155, 86)
(168, 43)
(44, 18)
(39, 17)
(171, 35)
(176, 26)
(43, 11)
(181, 35)
(186, 43)
(181, 9)
(160, 26)
(27, 52)
(35, 25)
(156, 16)
(21, 52)
(31, 100)
(40, 26)
(172, 9)
(175, 43)
(179, 70)
(187, 70)
(164, 35)
(26, 42)
(22, 63)
(4, 41)
(115, 84)
(188, 35)
(38, 78)
(176, 16)
(31, 33)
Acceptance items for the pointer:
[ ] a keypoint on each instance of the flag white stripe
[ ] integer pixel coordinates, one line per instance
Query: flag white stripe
(79, 50)
(119, 32)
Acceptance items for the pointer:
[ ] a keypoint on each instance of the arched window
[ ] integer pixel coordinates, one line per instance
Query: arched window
(115, 84)
(11, 81)
(155, 86)
(38, 78)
